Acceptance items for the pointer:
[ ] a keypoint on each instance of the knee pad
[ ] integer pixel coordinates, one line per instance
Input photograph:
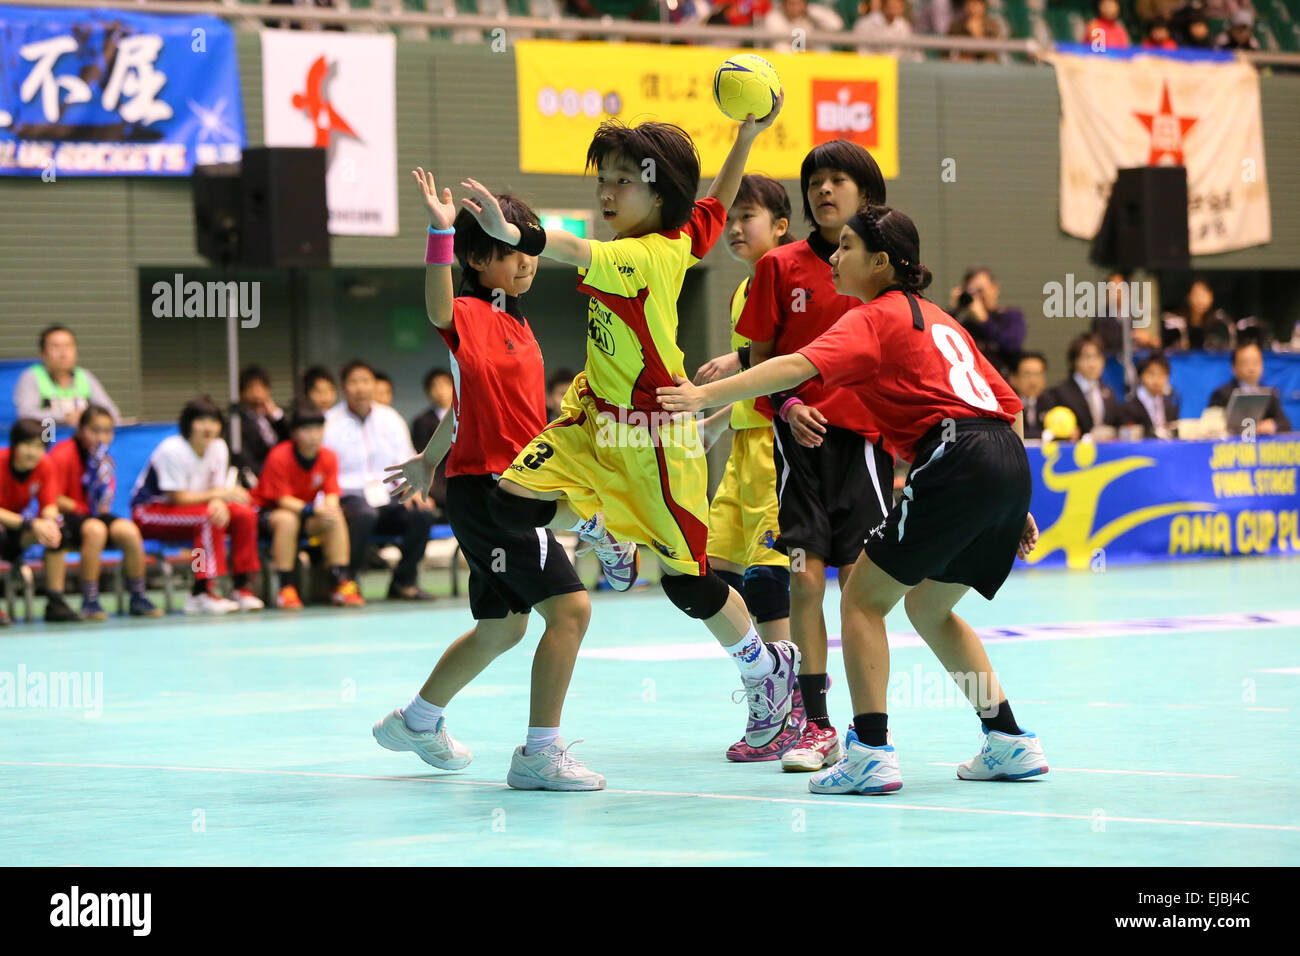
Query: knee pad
(520, 514)
(767, 593)
(699, 597)
(733, 579)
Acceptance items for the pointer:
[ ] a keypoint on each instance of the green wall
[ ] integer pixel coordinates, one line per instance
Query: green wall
(78, 251)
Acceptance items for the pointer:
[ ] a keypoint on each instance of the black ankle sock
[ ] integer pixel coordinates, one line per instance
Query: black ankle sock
(1002, 721)
(871, 729)
(812, 687)
(200, 586)
(338, 575)
(239, 581)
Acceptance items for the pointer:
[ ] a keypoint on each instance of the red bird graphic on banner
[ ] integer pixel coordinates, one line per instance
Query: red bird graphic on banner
(315, 104)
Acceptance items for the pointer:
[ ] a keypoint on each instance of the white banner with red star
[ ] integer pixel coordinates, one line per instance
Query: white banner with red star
(1146, 110)
(336, 91)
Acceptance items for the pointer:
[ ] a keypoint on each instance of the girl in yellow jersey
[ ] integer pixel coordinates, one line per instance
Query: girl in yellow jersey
(614, 468)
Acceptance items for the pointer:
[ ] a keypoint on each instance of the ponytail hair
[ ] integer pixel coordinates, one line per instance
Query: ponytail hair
(888, 230)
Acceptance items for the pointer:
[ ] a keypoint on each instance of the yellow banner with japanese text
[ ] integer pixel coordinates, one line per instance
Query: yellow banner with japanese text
(565, 90)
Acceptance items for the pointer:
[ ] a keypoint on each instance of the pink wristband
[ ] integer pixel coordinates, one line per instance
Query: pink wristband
(789, 404)
(438, 250)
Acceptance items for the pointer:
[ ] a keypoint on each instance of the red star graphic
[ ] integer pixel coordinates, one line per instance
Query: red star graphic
(1167, 132)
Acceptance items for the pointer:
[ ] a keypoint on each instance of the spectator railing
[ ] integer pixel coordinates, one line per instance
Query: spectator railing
(567, 27)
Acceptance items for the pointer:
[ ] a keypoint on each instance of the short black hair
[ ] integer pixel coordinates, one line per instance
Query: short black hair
(561, 376)
(196, 408)
(891, 231)
(383, 377)
(766, 193)
(51, 329)
(850, 159)
(674, 162)
(1252, 344)
(253, 373)
(1078, 342)
(973, 271)
(26, 430)
(1030, 355)
(1155, 358)
(305, 415)
(91, 413)
(352, 366)
(472, 240)
(314, 375)
(433, 373)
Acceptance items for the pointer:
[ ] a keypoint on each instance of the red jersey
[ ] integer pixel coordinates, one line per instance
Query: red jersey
(41, 484)
(68, 470)
(913, 377)
(500, 400)
(283, 476)
(792, 300)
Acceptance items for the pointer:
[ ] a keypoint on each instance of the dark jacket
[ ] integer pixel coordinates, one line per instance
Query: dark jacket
(1069, 394)
(1034, 412)
(1219, 398)
(1135, 413)
(254, 445)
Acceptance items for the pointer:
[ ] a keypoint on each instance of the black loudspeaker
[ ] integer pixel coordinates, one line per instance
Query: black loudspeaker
(1145, 225)
(216, 213)
(285, 221)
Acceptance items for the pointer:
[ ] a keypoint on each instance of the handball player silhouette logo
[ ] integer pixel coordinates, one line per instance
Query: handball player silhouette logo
(1168, 130)
(314, 103)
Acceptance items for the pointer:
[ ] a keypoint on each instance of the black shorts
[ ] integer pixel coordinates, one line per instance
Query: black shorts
(72, 530)
(509, 571)
(963, 510)
(831, 496)
(11, 544)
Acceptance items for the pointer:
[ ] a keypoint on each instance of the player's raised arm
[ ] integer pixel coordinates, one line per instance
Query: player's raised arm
(437, 273)
(774, 375)
(552, 243)
(727, 183)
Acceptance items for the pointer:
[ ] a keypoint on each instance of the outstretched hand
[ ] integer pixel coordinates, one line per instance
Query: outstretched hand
(753, 127)
(488, 212)
(1028, 538)
(681, 397)
(441, 213)
(414, 475)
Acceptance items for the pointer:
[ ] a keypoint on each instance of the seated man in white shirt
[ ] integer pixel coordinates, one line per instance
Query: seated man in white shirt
(367, 437)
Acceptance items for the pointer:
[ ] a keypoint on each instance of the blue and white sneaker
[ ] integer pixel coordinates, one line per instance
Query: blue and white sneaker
(435, 747)
(552, 768)
(861, 770)
(620, 560)
(852, 736)
(1005, 757)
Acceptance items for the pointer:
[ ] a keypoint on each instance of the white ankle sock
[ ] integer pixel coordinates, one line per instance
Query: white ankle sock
(752, 656)
(420, 715)
(539, 738)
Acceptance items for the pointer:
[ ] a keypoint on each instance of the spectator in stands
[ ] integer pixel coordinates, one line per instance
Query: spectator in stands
(893, 19)
(383, 388)
(1247, 371)
(319, 387)
(1240, 35)
(85, 482)
(791, 15)
(367, 437)
(999, 332)
(1029, 379)
(975, 22)
(739, 13)
(299, 495)
(1197, 324)
(618, 9)
(1083, 392)
(1152, 406)
(933, 16)
(185, 494)
(556, 386)
(1148, 10)
(1191, 28)
(262, 425)
(26, 473)
(1106, 31)
(1157, 35)
(440, 388)
(56, 386)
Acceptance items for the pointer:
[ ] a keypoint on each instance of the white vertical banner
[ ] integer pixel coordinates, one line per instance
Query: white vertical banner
(336, 91)
(1146, 110)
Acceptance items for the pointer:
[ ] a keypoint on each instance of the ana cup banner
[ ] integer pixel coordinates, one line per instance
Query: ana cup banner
(335, 91)
(566, 90)
(1125, 502)
(112, 93)
(1202, 112)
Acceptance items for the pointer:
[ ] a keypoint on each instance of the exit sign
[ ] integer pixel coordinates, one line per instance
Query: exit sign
(574, 221)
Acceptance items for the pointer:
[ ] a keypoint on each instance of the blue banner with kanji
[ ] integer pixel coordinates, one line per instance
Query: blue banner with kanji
(109, 93)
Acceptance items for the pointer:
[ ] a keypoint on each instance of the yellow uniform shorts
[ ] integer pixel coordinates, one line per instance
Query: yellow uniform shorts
(646, 471)
(743, 518)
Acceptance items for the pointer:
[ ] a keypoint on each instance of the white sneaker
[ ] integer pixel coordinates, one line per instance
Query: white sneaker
(552, 768)
(619, 560)
(208, 603)
(248, 601)
(1005, 757)
(862, 770)
(435, 747)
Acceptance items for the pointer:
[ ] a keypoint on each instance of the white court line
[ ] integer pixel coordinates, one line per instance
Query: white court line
(1138, 773)
(1270, 710)
(1187, 706)
(1102, 703)
(881, 804)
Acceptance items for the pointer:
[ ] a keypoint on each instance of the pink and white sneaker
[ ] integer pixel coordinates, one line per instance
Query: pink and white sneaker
(741, 752)
(816, 749)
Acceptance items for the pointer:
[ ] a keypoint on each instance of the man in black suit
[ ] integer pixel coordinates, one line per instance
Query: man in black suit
(262, 425)
(1151, 406)
(1092, 401)
(1247, 370)
(1029, 379)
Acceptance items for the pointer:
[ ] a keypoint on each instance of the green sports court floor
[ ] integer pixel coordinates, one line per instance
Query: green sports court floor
(1167, 698)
